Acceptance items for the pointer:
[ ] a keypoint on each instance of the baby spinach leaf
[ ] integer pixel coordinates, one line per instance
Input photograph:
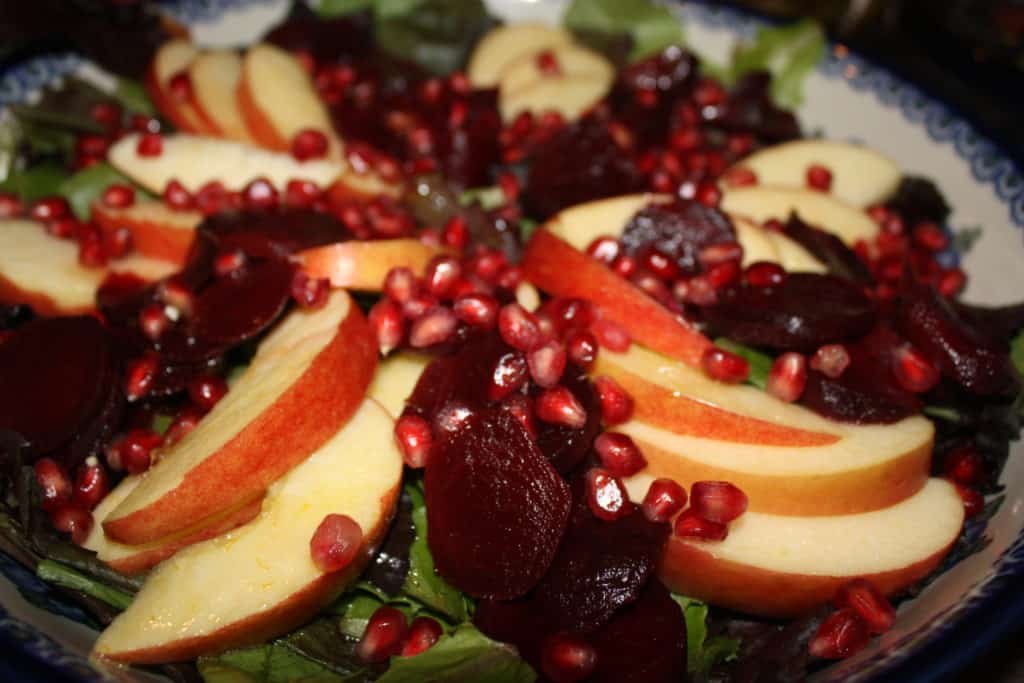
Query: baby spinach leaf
(436, 34)
(36, 181)
(703, 653)
(464, 655)
(85, 186)
(651, 26)
(760, 363)
(422, 582)
(789, 52)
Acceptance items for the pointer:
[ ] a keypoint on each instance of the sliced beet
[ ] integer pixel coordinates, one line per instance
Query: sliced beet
(804, 312)
(829, 249)
(496, 508)
(678, 230)
(519, 622)
(274, 233)
(233, 309)
(961, 351)
(919, 199)
(566, 447)
(998, 323)
(57, 376)
(750, 108)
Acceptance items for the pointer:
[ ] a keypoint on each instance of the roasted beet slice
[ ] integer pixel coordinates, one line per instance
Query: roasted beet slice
(233, 309)
(962, 352)
(56, 376)
(566, 447)
(806, 311)
(829, 249)
(644, 643)
(919, 199)
(496, 508)
(750, 109)
(678, 230)
(998, 323)
(274, 233)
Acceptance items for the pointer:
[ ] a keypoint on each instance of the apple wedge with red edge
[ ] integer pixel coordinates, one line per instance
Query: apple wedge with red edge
(506, 44)
(786, 458)
(133, 559)
(305, 381)
(215, 77)
(44, 272)
(157, 230)
(260, 580)
(363, 264)
(172, 58)
(783, 566)
(396, 378)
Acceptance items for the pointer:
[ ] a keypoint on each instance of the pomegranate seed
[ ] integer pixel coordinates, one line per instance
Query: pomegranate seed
(50, 209)
(662, 182)
(842, 635)
(510, 374)
(974, 502)
(435, 326)
(699, 290)
(118, 196)
(618, 454)
(624, 265)
(91, 484)
(92, 146)
(301, 193)
(606, 496)
(604, 249)
(929, 236)
(63, 228)
(567, 658)
(547, 363)
(724, 366)
(260, 194)
(869, 604)
(72, 519)
(310, 292)
(690, 525)
(441, 275)
(611, 335)
(10, 205)
(119, 243)
(417, 306)
(140, 377)
(91, 250)
(568, 314)
(723, 275)
(400, 284)
(476, 310)
(180, 86)
(150, 145)
(951, 282)
(414, 439)
(144, 124)
(660, 265)
(206, 391)
(132, 451)
(581, 348)
(663, 500)
(173, 293)
(335, 543)
(153, 321)
(893, 226)
(521, 408)
(819, 178)
(424, 632)
(831, 360)
(518, 327)
(107, 114)
(740, 177)
(717, 501)
(384, 636)
(54, 484)
(212, 198)
(764, 274)
(616, 404)
(309, 143)
(184, 422)
(177, 197)
(557, 405)
(913, 372)
(230, 263)
(686, 139)
(708, 194)
(965, 465)
(547, 64)
(788, 377)
(456, 232)
(487, 265)
(708, 93)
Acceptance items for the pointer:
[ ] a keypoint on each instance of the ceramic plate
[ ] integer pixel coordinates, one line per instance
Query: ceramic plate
(847, 97)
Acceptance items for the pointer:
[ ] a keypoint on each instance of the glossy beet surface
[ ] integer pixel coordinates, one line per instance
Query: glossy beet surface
(804, 312)
(496, 508)
(60, 380)
(678, 230)
(829, 249)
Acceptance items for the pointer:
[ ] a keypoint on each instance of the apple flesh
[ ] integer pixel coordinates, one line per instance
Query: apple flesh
(571, 61)
(44, 272)
(157, 230)
(195, 161)
(172, 58)
(506, 44)
(396, 378)
(277, 99)
(569, 96)
(786, 458)
(215, 77)
(305, 381)
(259, 580)
(764, 245)
(362, 265)
(787, 566)
(861, 176)
(760, 203)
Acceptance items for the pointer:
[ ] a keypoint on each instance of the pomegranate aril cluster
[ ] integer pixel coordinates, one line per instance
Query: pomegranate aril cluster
(862, 611)
(389, 633)
(713, 505)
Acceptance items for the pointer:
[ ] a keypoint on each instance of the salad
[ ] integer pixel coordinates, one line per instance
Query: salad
(406, 345)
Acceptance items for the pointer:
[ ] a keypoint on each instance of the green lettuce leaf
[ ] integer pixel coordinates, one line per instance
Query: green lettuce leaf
(35, 182)
(270, 663)
(701, 653)
(464, 655)
(789, 52)
(436, 34)
(760, 363)
(423, 583)
(651, 26)
(60, 575)
(85, 186)
(337, 8)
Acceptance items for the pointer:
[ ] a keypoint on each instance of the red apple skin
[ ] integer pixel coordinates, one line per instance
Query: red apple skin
(147, 559)
(305, 416)
(184, 118)
(259, 126)
(362, 265)
(692, 570)
(43, 305)
(149, 238)
(557, 268)
(281, 618)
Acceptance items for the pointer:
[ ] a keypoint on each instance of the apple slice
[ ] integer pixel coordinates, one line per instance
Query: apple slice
(157, 230)
(504, 45)
(277, 99)
(259, 581)
(304, 383)
(44, 272)
(362, 265)
(194, 161)
(396, 378)
(861, 176)
(765, 245)
(215, 77)
(133, 559)
(352, 186)
(570, 96)
(172, 58)
(793, 256)
(786, 458)
(566, 61)
(557, 268)
(786, 566)
(760, 203)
